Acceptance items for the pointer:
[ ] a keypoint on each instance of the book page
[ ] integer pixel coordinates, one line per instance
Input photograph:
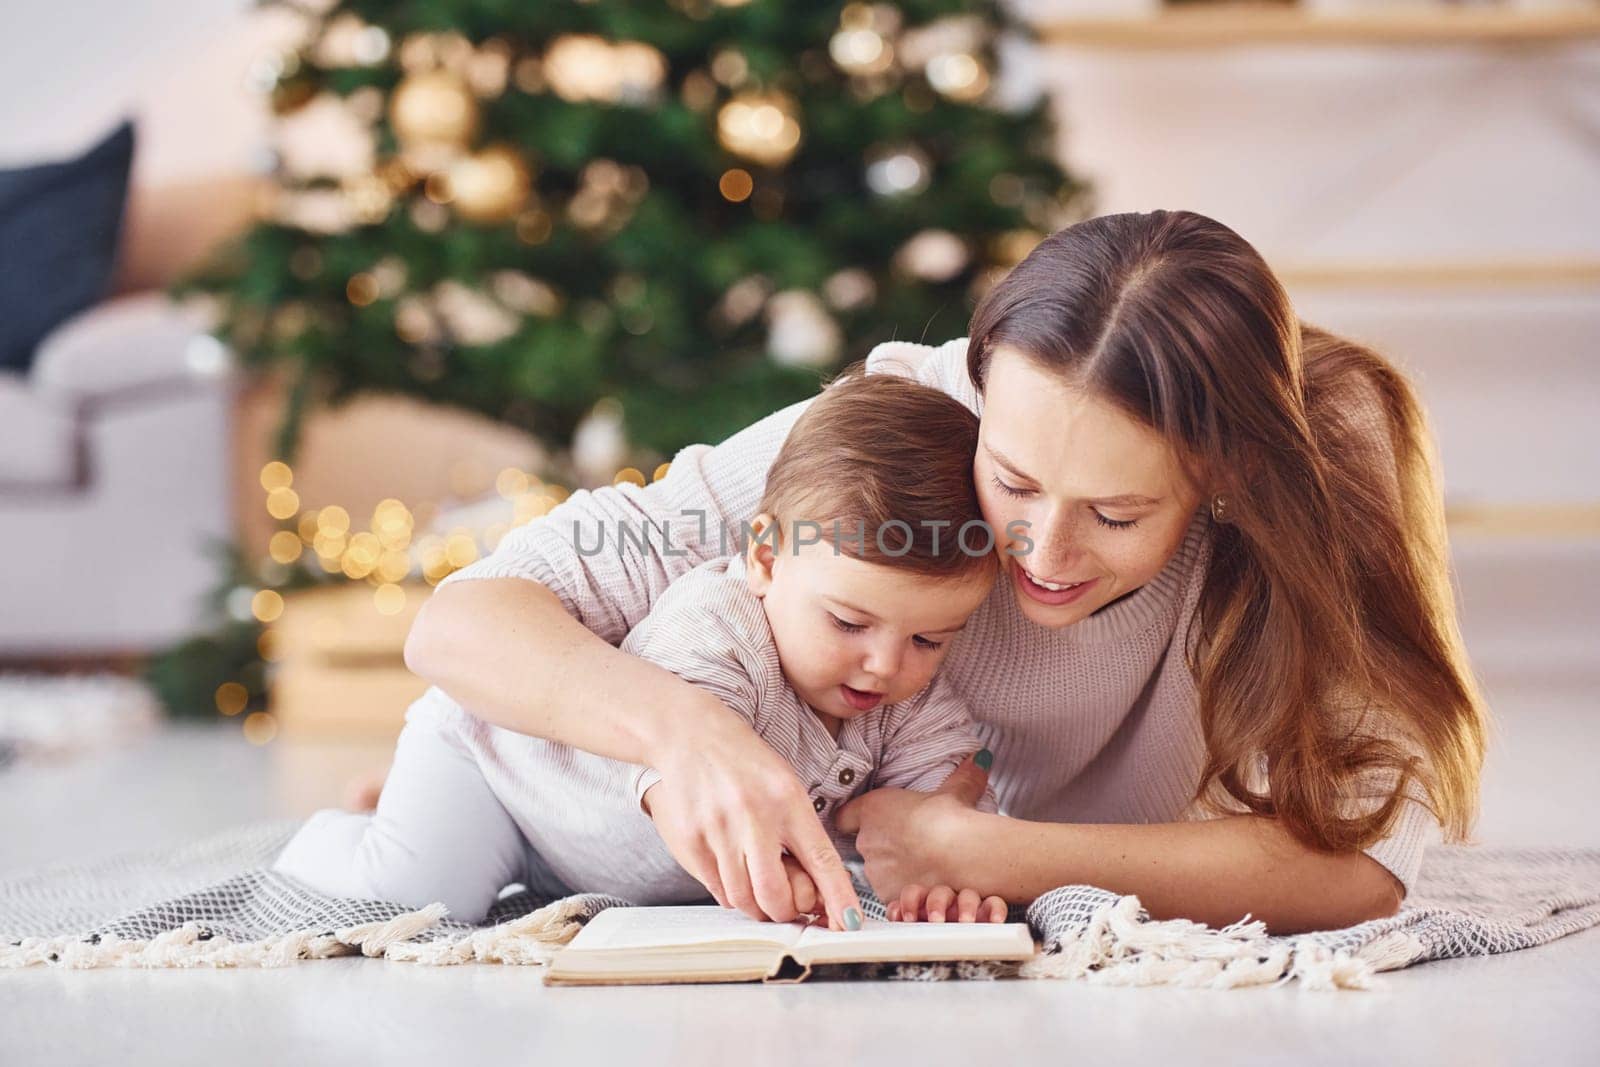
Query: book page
(888, 941)
(677, 927)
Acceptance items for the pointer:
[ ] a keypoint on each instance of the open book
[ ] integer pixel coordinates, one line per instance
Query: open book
(658, 946)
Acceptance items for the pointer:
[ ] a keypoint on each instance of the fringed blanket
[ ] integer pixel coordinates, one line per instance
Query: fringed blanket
(215, 904)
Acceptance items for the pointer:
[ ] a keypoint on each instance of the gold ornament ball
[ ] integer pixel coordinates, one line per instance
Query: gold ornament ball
(760, 126)
(433, 108)
(293, 91)
(489, 186)
(958, 75)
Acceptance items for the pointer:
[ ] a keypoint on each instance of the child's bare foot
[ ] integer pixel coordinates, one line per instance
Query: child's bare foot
(361, 792)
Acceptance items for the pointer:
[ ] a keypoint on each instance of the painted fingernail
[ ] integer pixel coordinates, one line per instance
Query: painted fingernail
(984, 758)
(852, 919)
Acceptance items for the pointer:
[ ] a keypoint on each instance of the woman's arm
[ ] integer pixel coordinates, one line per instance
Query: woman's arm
(507, 650)
(1214, 871)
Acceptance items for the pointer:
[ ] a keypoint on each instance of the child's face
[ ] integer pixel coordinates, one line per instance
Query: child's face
(852, 636)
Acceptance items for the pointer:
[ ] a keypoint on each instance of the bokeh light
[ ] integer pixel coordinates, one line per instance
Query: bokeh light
(267, 605)
(231, 698)
(260, 727)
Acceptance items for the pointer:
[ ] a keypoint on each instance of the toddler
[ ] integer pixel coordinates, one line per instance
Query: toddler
(826, 631)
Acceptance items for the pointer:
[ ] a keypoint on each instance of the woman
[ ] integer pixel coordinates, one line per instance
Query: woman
(1222, 673)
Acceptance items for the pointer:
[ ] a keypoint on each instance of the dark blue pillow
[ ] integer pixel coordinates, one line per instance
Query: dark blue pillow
(58, 241)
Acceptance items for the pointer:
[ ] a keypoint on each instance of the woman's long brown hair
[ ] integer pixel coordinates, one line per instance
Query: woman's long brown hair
(1325, 645)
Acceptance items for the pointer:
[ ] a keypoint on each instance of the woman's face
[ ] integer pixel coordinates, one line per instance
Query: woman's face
(1104, 498)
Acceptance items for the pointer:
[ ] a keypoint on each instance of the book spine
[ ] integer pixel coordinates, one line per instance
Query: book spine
(788, 971)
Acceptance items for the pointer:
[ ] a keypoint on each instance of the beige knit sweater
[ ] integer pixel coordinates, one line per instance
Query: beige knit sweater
(1095, 723)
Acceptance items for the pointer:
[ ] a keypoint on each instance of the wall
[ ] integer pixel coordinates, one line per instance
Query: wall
(1441, 202)
(72, 68)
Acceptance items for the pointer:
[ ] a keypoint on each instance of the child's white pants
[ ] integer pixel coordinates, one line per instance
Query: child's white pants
(457, 826)
(439, 834)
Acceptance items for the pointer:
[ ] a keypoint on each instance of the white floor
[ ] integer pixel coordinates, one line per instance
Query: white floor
(1535, 1007)
(1516, 1009)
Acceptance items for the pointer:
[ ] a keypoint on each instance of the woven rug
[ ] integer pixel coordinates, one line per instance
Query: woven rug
(215, 904)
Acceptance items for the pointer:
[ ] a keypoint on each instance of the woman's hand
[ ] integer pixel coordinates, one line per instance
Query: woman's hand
(914, 839)
(730, 809)
(943, 904)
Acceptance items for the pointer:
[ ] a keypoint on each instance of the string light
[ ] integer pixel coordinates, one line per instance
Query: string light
(761, 126)
(530, 506)
(329, 544)
(460, 549)
(231, 698)
(584, 67)
(267, 605)
(260, 727)
(736, 184)
(534, 227)
(413, 322)
(285, 547)
(849, 289)
(861, 45)
(730, 67)
(385, 555)
(389, 599)
(394, 565)
(1007, 190)
(392, 522)
(276, 475)
(528, 74)
(283, 503)
(437, 188)
(1013, 246)
(362, 289)
(510, 481)
(431, 554)
(898, 171)
(958, 76)
(361, 557)
(699, 91)
(333, 519)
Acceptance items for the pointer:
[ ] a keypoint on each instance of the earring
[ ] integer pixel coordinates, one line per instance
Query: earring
(1219, 508)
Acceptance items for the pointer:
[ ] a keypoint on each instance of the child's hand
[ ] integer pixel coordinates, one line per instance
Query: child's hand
(944, 904)
(807, 901)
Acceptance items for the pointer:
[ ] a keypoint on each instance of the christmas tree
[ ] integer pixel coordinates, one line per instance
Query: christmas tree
(682, 211)
(621, 226)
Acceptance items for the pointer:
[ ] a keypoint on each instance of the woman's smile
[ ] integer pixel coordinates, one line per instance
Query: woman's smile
(1052, 594)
